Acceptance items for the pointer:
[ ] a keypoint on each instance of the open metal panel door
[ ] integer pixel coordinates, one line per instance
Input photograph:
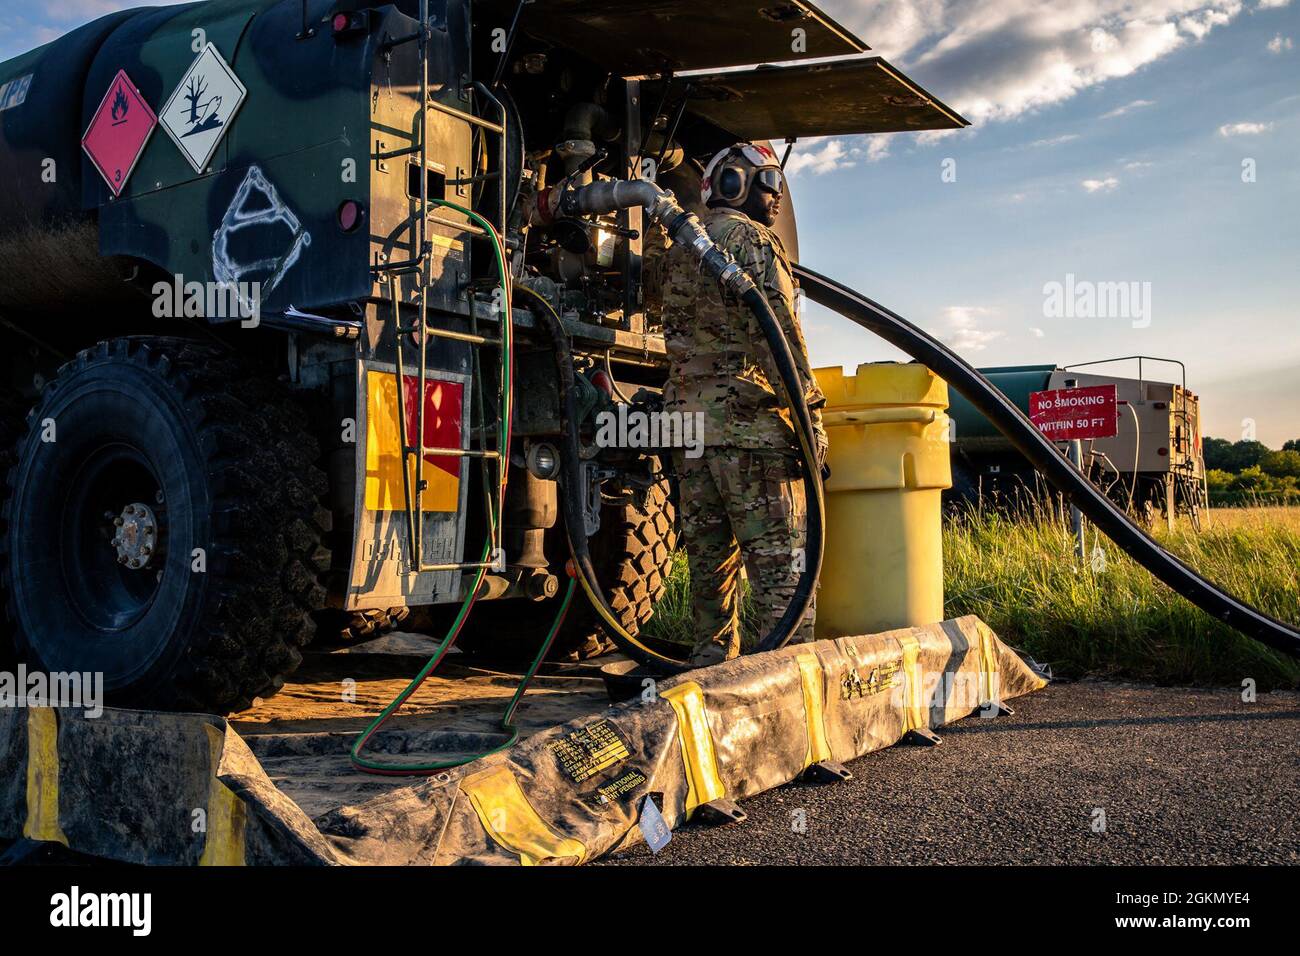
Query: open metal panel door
(861, 95)
(643, 37)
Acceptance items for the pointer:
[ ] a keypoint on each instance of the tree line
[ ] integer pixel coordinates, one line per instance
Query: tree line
(1246, 472)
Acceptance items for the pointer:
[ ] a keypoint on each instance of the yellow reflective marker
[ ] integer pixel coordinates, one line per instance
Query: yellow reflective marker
(988, 668)
(704, 785)
(43, 777)
(511, 821)
(227, 815)
(814, 689)
(383, 479)
(914, 715)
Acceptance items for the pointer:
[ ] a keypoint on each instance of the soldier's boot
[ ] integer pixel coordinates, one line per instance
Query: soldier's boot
(709, 653)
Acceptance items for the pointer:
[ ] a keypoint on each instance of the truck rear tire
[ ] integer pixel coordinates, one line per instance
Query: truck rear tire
(345, 628)
(163, 527)
(633, 556)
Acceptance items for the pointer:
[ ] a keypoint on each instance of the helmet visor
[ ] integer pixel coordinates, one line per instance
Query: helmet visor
(770, 179)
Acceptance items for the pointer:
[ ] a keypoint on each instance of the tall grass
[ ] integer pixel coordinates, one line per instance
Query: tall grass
(1104, 616)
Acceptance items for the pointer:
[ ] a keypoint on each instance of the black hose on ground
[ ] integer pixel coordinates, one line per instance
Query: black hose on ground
(1049, 461)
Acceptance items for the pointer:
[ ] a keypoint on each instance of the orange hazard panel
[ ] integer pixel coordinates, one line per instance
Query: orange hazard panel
(443, 414)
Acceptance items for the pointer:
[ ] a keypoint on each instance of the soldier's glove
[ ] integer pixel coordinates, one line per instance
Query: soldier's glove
(821, 444)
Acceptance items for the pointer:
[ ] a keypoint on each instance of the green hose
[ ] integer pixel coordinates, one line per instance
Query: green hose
(507, 724)
(367, 765)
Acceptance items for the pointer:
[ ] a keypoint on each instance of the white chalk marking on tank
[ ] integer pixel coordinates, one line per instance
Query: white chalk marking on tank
(225, 268)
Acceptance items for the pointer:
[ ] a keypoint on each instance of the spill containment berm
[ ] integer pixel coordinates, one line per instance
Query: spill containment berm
(162, 788)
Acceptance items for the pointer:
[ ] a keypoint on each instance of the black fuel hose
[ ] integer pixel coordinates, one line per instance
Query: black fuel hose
(572, 496)
(1049, 461)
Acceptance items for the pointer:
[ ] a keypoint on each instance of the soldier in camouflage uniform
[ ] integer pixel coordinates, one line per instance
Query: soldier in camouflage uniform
(742, 500)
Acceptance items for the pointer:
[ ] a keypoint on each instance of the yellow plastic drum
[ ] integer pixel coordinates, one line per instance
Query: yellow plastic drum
(889, 458)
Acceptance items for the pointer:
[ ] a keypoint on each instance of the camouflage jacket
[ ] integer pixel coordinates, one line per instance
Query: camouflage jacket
(719, 362)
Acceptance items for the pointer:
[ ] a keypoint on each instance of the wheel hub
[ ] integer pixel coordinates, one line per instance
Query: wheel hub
(136, 536)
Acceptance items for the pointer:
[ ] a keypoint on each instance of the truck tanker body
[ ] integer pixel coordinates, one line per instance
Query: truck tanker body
(251, 305)
(1154, 464)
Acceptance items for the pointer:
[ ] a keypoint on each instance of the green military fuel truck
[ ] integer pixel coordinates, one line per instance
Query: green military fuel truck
(283, 284)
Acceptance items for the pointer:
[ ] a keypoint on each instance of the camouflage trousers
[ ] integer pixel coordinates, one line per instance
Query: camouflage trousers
(741, 508)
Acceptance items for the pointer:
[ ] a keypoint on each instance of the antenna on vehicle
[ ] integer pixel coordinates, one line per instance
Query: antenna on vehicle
(789, 148)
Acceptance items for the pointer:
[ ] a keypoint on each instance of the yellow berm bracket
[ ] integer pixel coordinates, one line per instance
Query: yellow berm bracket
(43, 777)
(512, 822)
(703, 783)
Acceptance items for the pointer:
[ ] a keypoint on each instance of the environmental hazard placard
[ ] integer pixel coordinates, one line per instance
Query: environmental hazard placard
(202, 106)
(118, 132)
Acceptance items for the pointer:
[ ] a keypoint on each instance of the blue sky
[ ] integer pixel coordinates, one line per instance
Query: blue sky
(1108, 143)
(1114, 157)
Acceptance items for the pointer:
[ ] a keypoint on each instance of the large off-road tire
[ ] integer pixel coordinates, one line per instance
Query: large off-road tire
(632, 553)
(344, 628)
(219, 607)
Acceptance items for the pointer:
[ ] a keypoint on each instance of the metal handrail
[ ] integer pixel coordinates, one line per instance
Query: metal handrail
(1130, 358)
(420, 265)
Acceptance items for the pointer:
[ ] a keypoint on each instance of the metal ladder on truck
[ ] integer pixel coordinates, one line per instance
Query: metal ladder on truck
(493, 460)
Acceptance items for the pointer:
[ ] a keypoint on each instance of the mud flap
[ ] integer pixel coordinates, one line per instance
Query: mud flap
(380, 575)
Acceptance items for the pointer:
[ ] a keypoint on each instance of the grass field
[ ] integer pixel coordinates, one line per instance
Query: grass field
(1106, 616)
(1253, 518)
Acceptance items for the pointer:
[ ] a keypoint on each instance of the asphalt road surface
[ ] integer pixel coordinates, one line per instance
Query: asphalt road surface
(1182, 777)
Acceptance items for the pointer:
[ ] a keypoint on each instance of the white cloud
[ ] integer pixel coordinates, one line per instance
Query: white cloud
(1036, 332)
(1055, 140)
(1100, 185)
(1244, 129)
(878, 148)
(964, 333)
(1279, 43)
(1202, 22)
(931, 136)
(829, 155)
(1272, 4)
(1128, 108)
(1138, 164)
(998, 59)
